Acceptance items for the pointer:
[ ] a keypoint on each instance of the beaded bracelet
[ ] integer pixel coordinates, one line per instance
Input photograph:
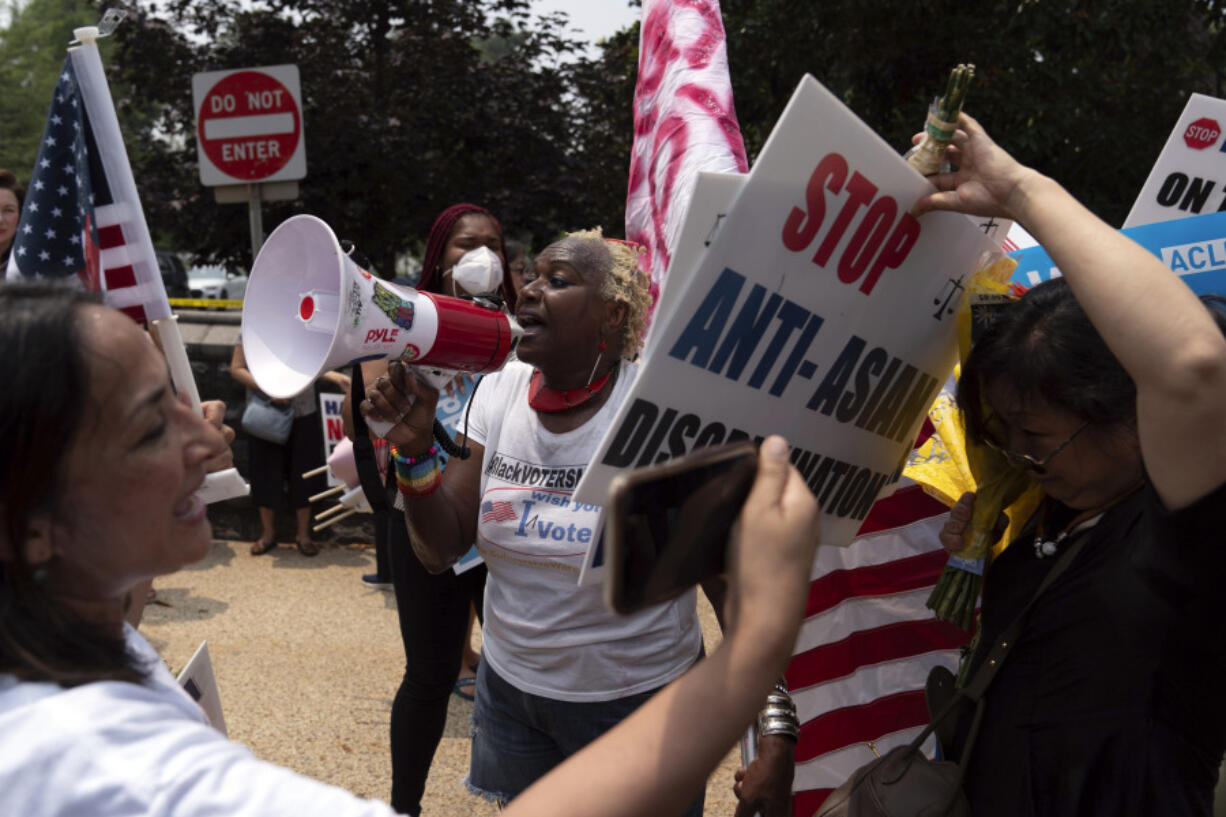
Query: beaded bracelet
(418, 476)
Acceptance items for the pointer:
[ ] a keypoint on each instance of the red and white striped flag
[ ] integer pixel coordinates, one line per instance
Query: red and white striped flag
(83, 221)
(82, 216)
(868, 642)
(684, 122)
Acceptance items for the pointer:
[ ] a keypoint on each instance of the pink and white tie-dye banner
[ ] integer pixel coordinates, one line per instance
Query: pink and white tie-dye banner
(684, 122)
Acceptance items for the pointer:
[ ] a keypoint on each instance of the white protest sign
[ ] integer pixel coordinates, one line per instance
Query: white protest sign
(1189, 177)
(333, 427)
(713, 196)
(822, 311)
(198, 681)
(1018, 238)
(707, 210)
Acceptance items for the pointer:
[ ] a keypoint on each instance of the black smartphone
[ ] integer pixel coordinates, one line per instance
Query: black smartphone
(667, 525)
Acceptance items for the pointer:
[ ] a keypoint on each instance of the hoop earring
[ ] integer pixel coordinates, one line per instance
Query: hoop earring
(596, 365)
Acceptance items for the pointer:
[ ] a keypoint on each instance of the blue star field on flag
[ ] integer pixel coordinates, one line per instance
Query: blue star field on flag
(66, 185)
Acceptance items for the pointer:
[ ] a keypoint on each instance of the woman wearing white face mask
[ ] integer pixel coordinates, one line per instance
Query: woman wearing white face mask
(478, 272)
(464, 257)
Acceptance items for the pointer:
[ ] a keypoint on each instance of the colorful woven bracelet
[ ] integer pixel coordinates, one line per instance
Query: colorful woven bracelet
(418, 476)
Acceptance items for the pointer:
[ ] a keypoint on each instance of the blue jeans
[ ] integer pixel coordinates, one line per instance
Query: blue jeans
(519, 737)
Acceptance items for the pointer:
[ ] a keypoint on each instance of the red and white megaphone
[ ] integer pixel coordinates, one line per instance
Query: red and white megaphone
(309, 309)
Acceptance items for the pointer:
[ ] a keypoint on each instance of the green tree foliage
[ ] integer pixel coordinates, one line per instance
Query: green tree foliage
(32, 51)
(1085, 90)
(409, 106)
(605, 110)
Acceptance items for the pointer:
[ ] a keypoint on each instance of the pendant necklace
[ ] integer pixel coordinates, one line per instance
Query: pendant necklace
(1044, 547)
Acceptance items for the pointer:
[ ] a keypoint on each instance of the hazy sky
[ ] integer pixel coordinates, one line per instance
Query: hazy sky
(593, 18)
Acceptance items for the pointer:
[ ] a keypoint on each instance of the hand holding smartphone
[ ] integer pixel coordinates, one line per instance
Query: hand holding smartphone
(667, 526)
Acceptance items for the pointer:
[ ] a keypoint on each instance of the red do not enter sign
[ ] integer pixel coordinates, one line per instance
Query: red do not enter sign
(248, 125)
(1202, 133)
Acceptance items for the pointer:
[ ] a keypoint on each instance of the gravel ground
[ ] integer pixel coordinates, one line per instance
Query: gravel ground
(307, 660)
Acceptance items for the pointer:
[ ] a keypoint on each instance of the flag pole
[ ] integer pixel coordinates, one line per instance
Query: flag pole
(99, 106)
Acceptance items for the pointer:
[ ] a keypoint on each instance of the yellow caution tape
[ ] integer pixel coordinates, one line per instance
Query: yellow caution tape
(206, 303)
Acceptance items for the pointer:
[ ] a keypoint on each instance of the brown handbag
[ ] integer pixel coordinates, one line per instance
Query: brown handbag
(905, 783)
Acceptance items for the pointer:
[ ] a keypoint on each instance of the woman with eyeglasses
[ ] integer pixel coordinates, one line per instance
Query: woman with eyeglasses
(1109, 387)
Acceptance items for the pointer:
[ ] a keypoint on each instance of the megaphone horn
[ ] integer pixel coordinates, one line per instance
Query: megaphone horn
(309, 309)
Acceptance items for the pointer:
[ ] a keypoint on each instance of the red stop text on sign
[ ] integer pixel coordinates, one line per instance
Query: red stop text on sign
(249, 125)
(1202, 133)
(880, 239)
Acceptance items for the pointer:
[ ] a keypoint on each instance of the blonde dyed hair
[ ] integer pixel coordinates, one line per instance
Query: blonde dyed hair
(624, 283)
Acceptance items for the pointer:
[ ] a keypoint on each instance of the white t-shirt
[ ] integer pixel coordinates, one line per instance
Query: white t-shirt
(544, 633)
(117, 749)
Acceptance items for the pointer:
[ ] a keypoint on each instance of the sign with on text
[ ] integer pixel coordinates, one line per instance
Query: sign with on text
(1189, 178)
(822, 310)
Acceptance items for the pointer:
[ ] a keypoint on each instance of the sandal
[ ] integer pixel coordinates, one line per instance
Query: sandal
(460, 690)
(308, 548)
(261, 546)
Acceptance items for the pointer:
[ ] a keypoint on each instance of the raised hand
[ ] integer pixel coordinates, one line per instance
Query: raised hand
(406, 401)
(987, 179)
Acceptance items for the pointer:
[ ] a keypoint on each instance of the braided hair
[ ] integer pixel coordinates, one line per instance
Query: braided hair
(437, 242)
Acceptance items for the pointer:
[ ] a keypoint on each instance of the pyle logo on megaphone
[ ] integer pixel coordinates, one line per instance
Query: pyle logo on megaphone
(309, 309)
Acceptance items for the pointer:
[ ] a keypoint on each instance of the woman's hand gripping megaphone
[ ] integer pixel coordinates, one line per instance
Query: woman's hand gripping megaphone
(407, 402)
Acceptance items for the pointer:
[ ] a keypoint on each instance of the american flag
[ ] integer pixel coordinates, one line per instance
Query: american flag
(868, 642)
(82, 216)
(497, 511)
(1017, 239)
(684, 122)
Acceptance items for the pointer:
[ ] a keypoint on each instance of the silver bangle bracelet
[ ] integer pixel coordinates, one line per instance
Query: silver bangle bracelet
(778, 715)
(780, 702)
(778, 712)
(779, 726)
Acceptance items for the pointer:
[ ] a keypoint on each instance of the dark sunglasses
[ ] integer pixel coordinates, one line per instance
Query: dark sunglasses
(1027, 462)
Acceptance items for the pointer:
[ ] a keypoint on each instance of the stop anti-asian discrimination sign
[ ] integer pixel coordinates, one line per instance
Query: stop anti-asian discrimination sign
(249, 125)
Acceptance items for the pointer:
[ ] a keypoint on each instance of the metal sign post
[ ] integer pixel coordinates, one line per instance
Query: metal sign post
(249, 137)
(255, 217)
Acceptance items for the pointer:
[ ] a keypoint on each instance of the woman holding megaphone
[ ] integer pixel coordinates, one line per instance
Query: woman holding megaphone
(558, 668)
(465, 255)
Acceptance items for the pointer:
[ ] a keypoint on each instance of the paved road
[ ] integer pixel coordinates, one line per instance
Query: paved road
(307, 661)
